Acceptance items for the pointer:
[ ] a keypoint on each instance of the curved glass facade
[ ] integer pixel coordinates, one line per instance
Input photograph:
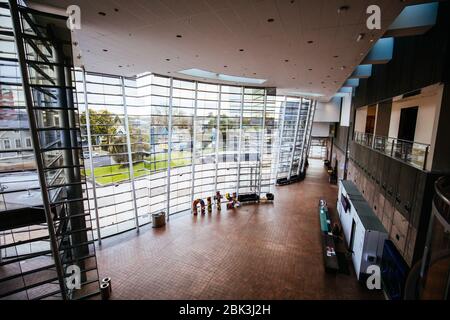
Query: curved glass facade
(154, 143)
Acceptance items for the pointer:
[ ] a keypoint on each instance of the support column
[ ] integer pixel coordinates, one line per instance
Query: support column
(130, 155)
(91, 162)
(240, 142)
(280, 138)
(263, 138)
(194, 144)
(217, 139)
(169, 154)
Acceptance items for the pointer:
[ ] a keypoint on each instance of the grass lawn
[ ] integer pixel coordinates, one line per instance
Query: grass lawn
(117, 173)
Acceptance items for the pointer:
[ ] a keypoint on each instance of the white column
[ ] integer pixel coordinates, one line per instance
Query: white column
(194, 143)
(169, 155)
(240, 142)
(217, 139)
(262, 139)
(130, 155)
(91, 162)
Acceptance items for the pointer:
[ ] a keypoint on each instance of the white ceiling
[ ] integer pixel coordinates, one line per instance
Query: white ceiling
(141, 34)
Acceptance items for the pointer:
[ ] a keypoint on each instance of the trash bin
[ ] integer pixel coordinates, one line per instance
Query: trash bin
(108, 281)
(105, 291)
(158, 219)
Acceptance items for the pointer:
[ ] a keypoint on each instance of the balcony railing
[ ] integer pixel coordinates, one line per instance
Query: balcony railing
(413, 153)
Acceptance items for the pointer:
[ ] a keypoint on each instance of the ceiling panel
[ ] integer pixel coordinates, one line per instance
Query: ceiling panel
(140, 35)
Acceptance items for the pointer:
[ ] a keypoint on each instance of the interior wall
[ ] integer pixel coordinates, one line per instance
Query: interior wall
(345, 110)
(429, 102)
(384, 110)
(329, 111)
(320, 129)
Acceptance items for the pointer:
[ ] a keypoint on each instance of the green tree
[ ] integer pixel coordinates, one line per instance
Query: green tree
(103, 124)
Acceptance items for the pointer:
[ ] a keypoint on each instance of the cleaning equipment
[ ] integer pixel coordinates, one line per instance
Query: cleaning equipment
(209, 204)
(218, 198)
(194, 206)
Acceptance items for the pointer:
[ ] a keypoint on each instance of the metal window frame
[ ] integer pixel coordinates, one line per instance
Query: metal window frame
(194, 144)
(130, 155)
(262, 140)
(240, 141)
(169, 151)
(217, 138)
(91, 162)
(280, 137)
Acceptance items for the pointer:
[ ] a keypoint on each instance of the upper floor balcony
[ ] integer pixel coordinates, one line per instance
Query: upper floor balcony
(410, 152)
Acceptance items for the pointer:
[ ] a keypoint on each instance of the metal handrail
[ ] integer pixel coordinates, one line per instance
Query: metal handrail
(389, 145)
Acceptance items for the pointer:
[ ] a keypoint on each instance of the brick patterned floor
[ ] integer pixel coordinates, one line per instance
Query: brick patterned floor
(266, 251)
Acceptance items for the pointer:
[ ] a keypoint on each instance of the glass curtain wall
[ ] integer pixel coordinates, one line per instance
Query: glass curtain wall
(252, 126)
(204, 179)
(154, 143)
(105, 150)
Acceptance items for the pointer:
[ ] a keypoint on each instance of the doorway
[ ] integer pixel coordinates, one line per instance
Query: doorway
(407, 125)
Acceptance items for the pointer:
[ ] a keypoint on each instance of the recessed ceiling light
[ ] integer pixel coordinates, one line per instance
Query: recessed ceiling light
(270, 20)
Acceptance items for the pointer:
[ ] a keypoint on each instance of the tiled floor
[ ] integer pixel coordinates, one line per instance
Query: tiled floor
(266, 251)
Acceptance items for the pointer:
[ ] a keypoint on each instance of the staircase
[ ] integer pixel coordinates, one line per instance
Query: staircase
(41, 242)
